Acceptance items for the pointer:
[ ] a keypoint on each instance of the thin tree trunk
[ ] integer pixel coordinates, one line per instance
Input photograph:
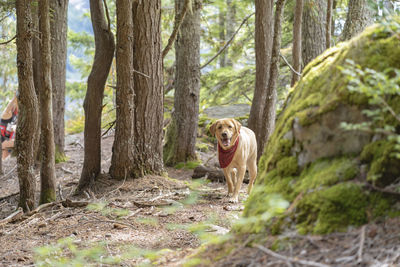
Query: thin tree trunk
(28, 107)
(329, 23)
(222, 37)
(122, 160)
(59, 29)
(269, 113)
(147, 59)
(104, 53)
(37, 80)
(359, 16)
(47, 170)
(182, 132)
(296, 53)
(264, 33)
(313, 30)
(230, 25)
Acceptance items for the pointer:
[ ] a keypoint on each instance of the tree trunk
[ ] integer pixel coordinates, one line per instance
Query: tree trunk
(222, 36)
(37, 80)
(59, 29)
(359, 16)
(313, 30)
(263, 44)
(296, 53)
(269, 113)
(328, 23)
(182, 131)
(122, 160)
(104, 53)
(147, 59)
(28, 107)
(230, 25)
(47, 170)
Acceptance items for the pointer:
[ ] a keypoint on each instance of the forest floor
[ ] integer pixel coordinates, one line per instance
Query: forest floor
(161, 220)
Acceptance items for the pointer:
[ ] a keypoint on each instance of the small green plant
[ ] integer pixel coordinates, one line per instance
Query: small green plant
(67, 253)
(381, 89)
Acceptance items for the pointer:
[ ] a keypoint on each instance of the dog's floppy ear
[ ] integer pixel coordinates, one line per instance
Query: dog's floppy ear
(213, 127)
(238, 125)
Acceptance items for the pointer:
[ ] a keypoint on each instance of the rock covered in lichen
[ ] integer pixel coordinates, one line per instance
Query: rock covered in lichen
(312, 161)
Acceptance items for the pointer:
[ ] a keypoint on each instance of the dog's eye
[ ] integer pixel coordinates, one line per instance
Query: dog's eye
(230, 127)
(220, 127)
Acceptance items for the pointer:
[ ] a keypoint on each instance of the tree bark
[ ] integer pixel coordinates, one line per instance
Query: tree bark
(122, 160)
(47, 170)
(296, 53)
(328, 23)
(222, 37)
(313, 30)
(264, 33)
(28, 107)
(359, 16)
(269, 113)
(59, 29)
(147, 59)
(104, 53)
(37, 80)
(230, 25)
(182, 132)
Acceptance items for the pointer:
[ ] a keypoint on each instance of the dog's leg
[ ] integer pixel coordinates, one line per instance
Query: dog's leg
(252, 174)
(239, 180)
(234, 176)
(228, 179)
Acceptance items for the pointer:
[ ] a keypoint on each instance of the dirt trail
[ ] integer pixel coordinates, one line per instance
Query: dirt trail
(151, 217)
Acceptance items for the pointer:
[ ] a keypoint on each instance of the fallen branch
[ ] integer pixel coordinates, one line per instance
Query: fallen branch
(289, 259)
(382, 190)
(41, 207)
(8, 173)
(362, 240)
(10, 195)
(66, 170)
(13, 216)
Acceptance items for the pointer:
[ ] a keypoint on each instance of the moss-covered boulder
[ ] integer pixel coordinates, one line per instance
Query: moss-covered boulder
(322, 169)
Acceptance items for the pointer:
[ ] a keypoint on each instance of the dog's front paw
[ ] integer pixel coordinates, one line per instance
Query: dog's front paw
(234, 199)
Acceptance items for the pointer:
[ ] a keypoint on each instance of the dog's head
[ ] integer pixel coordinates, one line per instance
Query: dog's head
(226, 131)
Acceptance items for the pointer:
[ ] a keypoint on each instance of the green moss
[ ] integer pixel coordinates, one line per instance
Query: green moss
(287, 166)
(331, 198)
(333, 208)
(47, 196)
(190, 165)
(60, 156)
(383, 168)
(326, 172)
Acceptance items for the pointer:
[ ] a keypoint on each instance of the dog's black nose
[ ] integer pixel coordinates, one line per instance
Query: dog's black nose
(224, 135)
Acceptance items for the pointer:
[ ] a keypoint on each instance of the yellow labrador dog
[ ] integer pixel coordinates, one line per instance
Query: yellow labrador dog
(237, 150)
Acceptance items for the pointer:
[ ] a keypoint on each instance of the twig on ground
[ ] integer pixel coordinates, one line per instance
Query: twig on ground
(8, 173)
(362, 240)
(67, 171)
(134, 213)
(10, 195)
(13, 216)
(286, 259)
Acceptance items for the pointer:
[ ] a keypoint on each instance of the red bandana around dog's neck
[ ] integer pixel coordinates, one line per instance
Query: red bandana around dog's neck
(225, 156)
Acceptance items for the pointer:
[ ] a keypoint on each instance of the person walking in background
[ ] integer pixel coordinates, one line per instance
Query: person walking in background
(8, 125)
